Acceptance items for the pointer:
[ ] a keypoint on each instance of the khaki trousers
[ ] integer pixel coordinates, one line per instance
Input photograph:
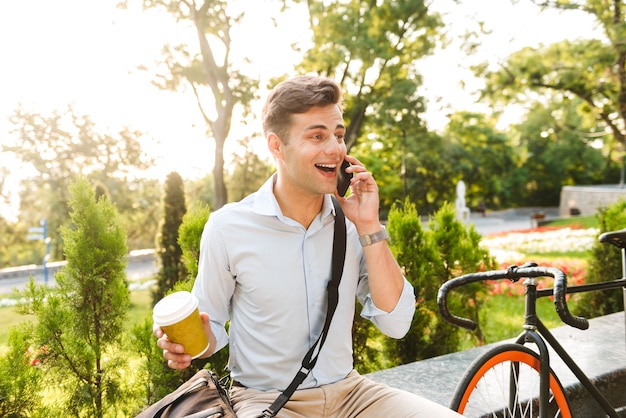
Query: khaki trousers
(354, 396)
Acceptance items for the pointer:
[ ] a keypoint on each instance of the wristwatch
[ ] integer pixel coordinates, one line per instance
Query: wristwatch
(369, 239)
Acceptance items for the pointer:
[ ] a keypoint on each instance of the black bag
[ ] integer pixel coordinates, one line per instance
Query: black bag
(202, 396)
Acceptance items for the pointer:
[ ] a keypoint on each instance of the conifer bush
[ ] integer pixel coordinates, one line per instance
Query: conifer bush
(172, 268)
(429, 257)
(79, 323)
(605, 264)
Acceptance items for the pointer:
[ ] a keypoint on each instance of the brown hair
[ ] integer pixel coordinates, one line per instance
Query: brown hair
(297, 95)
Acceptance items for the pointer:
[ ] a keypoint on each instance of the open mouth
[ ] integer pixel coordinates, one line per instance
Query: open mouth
(327, 168)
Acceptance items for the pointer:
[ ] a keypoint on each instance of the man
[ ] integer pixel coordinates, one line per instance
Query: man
(265, 263)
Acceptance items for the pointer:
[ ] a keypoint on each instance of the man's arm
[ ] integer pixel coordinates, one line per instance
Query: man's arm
(210, 254)
(385, 277)
(361, 207)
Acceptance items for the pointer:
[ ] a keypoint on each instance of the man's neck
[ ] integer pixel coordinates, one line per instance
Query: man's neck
(298, 206)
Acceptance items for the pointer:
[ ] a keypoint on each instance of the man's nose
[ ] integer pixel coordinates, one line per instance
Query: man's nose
(335, 146)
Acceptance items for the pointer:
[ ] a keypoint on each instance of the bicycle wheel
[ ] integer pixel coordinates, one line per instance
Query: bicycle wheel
(484, 390)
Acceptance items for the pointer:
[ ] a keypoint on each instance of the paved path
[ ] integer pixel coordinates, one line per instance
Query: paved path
(138, 268)
(508, 220)
(492, 224)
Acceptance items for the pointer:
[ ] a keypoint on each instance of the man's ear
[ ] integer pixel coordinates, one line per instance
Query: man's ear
(275, 145)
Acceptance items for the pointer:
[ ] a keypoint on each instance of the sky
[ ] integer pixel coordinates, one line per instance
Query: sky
(86, 53)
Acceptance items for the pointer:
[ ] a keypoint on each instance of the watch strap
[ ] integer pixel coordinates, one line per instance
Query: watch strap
(369, 239)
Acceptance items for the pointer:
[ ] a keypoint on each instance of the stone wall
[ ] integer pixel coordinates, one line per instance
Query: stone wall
(585, 200)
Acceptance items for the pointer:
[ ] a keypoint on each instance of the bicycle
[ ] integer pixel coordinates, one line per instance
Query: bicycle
(511, 379)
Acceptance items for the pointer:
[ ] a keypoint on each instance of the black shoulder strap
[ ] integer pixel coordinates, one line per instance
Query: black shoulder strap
(339, 254)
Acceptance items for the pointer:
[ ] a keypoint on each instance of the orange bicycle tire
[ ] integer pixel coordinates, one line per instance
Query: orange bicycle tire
(476, 390)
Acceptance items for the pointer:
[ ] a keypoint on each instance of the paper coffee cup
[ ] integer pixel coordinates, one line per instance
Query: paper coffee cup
(178, 316)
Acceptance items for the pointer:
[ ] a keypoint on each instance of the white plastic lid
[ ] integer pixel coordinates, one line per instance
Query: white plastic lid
(173, 308)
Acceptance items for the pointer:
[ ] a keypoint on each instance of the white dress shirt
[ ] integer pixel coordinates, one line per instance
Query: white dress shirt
(267, 275)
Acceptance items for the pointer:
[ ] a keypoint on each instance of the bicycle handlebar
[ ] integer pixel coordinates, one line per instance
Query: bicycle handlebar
(514, 274)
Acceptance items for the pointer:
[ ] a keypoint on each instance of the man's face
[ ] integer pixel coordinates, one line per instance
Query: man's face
(314, 151)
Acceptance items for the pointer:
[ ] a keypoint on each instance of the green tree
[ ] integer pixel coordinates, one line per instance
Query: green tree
(593, 71)
(189, 237)
(372, 48)
(409, 166)
(431, 257)
(66, 145)
(207, 67)
(482, 157)
(554, 149)
(172, 269)
(248, 174)
(80, 322)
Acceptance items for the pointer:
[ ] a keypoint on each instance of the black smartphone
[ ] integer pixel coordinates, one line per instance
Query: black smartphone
(343, 183)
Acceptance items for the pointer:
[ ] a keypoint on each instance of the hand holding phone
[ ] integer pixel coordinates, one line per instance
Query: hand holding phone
(343, 182)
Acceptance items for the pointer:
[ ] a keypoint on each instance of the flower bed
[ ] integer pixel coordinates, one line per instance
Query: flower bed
(541, 241)
(510, 248)
(575, 270)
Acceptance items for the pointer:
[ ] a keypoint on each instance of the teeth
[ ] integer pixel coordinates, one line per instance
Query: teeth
(333, 166)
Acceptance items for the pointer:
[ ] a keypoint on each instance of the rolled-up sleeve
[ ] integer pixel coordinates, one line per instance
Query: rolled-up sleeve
(396, 323)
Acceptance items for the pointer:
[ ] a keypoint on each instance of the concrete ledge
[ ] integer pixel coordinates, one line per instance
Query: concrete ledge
(600, 352)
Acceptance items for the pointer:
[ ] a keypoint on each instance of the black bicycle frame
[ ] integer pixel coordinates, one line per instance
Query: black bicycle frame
(536, 332)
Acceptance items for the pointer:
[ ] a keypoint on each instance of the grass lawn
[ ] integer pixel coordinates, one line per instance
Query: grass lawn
(140, 309)
(576, 221)
(8, 318)
(502, 316)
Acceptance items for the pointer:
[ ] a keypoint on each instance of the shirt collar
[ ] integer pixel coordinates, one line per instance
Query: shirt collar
(266, 204)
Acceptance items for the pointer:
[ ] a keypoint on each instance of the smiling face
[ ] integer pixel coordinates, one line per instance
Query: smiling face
(309, 159)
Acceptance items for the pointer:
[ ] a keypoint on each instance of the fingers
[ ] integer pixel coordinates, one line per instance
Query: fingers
(175, 353)
(360, 173)
(178, 363)
(156, 330)
(172, 352)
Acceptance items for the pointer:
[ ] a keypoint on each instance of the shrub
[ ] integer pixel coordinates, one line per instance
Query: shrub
(429, 257)
(158, 378)
(20, 380)
(605, 264)
(190, 234)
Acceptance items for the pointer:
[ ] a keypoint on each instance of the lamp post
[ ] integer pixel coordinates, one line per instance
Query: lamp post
(621, 173)
(40, 233)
